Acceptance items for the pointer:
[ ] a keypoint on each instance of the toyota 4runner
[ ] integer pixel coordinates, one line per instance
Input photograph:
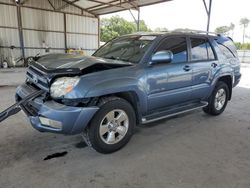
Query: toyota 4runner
(131, 80)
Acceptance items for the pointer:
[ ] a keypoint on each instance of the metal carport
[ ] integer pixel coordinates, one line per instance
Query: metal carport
(60, 24)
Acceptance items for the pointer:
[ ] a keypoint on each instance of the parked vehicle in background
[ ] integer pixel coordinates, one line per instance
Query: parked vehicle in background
(131, 80)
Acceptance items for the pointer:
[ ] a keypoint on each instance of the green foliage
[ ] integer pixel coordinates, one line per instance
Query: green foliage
(245, 46)
(240, 46)
(117, 26)
(244, 22)
(223, 30)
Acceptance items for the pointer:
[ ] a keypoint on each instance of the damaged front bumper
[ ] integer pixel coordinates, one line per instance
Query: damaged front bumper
(50, 116)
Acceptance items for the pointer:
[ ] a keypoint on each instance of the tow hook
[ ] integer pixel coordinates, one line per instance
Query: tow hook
(15, 108)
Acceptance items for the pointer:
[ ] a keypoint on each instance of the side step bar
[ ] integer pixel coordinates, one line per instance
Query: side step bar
(173, 112)
(15, 108)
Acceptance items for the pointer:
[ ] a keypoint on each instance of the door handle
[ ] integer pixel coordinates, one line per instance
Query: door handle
(186, 68)
(214, 65)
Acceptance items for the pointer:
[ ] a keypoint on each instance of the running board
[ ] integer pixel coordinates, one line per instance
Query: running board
(173, 112)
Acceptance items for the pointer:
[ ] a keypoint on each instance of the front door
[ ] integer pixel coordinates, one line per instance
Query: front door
(169, 84)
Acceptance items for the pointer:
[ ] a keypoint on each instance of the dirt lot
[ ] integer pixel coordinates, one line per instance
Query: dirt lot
(189, 151)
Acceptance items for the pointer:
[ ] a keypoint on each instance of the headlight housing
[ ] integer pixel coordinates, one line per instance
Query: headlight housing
(62, 86)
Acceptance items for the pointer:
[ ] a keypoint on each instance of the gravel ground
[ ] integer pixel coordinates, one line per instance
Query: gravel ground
(189, 151)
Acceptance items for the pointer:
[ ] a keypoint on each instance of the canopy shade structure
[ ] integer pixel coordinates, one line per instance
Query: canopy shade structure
(63, 24)
(101, 7)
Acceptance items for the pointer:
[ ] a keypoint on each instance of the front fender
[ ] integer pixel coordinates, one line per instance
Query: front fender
(110, 87)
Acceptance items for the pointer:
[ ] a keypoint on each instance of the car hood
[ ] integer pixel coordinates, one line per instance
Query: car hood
(54, 62)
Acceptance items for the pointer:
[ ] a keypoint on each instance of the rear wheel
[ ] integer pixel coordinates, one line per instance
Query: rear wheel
(218, 100)
(112, 126)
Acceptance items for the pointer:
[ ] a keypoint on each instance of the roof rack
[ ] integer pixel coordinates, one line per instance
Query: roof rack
(197, 32)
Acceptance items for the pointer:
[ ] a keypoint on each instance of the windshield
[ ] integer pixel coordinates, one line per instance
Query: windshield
(130, 49)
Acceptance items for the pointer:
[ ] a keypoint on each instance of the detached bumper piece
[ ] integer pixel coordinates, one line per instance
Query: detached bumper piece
(49, 116)
(15, 108)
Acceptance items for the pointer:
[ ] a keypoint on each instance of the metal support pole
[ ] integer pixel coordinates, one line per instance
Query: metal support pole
(138, 20)
(209, 15)
(65, 33)
(99, 32)
(20, 29)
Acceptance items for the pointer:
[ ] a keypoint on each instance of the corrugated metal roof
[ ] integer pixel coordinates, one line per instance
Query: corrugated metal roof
(100, 7)
(92, 7)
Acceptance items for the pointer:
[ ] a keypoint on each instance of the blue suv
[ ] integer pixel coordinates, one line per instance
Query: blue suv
(131, 80)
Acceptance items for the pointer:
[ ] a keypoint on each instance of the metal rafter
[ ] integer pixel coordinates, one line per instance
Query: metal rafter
(106, 3)
(133, 4)
(51, 5)
(67, 4)
(117, 4)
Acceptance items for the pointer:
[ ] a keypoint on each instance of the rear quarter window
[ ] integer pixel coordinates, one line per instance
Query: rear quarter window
(227, 47)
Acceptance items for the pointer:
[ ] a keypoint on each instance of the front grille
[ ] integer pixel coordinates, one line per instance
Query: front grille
(38, 78)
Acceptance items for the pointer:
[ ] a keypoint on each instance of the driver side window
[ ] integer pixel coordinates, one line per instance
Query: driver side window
(178, 46)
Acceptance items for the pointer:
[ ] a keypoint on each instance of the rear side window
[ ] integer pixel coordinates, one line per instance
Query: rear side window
(178, 46)
(226, 51)
(201, 50)
(227, 47)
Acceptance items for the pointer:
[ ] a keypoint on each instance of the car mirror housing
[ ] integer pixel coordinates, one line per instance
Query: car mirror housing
(165, 56)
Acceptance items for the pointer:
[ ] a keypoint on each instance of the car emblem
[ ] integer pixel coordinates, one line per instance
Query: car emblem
(35, 79)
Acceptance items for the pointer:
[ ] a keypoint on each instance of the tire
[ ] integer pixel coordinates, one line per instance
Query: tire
(214, 107)
(106, 137)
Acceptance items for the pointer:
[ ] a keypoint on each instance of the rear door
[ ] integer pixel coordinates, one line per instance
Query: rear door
(203, 62)
(170, 83)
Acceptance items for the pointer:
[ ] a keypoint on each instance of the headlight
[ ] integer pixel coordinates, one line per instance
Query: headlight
(62, 86)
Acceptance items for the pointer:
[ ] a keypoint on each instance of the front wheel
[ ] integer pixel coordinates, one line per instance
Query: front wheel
(112, 126)
(218, 100)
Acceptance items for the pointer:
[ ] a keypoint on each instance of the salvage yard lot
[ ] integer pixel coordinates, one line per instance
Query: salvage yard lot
(191, 150)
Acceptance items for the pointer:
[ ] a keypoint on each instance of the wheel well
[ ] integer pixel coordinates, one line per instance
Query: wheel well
(227, 80)
(132, 98)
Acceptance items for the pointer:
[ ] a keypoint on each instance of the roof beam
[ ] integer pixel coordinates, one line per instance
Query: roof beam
(133, 4)
(51, 5)
(66, 4)
(117, 4)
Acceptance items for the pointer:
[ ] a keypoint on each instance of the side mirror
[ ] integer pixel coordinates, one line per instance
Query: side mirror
(165, 56)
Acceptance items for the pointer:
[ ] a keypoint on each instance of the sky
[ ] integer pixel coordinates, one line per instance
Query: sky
(191, 14)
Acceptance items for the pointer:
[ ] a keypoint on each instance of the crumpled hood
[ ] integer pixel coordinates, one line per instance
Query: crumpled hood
(69, 61)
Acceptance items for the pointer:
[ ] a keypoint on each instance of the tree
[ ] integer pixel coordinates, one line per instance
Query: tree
(231, 27)
(143, 26)
(244, 22)
(117, 26)
(114, 27)
(222, 30)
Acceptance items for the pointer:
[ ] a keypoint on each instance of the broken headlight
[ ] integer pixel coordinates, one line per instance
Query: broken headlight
(62, 86)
